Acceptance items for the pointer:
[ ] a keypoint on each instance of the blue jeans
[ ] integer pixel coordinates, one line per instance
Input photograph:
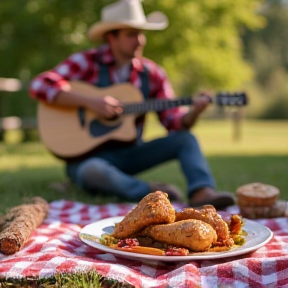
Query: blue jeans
(111, 171)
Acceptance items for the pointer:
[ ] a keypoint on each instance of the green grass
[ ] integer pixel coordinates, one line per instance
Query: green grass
(261, 154)
(89, 279)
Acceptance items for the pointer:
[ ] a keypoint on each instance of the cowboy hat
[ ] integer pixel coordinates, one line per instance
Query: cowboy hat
(126, 14)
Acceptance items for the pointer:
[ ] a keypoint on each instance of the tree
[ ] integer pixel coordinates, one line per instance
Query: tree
(201, 48)
(266, 50)
(203, 45)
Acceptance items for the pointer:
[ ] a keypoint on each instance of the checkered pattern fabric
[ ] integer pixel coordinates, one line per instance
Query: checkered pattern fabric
(55, 247)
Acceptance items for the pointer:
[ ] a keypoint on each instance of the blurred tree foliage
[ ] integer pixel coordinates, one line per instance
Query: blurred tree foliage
(202, 47)
(267, 51)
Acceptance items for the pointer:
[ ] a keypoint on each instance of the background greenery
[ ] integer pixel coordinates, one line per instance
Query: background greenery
(218, 45)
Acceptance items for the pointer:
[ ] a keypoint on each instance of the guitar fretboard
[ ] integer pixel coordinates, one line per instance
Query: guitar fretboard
(221, 99)
(155, 105)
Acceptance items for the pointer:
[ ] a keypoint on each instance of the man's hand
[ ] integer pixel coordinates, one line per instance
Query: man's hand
(106, 107)
(200, 103)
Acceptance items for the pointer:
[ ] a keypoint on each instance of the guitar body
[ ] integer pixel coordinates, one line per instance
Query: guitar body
(70, 133)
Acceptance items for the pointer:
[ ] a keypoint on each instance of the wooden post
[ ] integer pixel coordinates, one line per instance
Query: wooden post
(237, 118)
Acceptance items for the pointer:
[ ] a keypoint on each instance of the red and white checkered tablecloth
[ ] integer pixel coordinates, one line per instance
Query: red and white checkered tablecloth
(55, 247)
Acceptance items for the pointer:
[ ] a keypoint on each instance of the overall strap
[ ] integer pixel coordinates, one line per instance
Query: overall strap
(144, 75)
(104, 79)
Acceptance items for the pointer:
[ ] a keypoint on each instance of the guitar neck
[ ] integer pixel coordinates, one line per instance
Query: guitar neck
(155, 105)
(220, 99)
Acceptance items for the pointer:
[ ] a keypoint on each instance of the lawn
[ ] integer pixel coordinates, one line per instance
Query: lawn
(260, 154)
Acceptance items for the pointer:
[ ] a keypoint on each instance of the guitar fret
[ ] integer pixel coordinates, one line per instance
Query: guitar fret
(155, 105)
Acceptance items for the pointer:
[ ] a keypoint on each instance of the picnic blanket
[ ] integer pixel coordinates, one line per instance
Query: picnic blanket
(55, 247)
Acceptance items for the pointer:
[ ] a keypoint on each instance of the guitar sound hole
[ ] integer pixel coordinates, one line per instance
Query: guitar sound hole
(113, 118)
(96, 128)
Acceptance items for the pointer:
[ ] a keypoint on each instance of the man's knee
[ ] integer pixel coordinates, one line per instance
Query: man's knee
(92, 170)
(184, 138)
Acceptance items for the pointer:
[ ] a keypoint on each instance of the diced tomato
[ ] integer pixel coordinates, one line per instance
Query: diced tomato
(176, 251)
(129, 242)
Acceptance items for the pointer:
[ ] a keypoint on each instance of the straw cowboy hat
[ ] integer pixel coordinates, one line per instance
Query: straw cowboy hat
(126, 14)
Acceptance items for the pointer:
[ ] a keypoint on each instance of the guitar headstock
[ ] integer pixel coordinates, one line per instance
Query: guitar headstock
(231, 99)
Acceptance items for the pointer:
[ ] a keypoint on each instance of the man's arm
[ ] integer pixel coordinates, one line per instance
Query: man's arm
(104, 106)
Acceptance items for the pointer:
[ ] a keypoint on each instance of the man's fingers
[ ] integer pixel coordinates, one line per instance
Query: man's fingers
(113, 105)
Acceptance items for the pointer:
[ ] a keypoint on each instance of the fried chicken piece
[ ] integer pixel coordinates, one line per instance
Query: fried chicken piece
(155, 208)
(208, 214)
(193, 234)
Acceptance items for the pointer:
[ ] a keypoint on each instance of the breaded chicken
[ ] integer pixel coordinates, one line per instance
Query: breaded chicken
(155, 208)
(193, 234)
(208, 214)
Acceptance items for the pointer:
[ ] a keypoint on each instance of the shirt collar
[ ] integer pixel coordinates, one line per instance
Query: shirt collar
(107, 58)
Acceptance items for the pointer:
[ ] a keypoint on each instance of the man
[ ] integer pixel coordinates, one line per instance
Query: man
(111, 169)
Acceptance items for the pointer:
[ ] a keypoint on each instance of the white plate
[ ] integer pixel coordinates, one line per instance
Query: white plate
(258, 236)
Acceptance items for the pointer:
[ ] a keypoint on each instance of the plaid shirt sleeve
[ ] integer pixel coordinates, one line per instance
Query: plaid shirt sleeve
(79, 66)
(161, 88)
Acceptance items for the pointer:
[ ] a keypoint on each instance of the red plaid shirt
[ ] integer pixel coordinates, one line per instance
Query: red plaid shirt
(85, 66)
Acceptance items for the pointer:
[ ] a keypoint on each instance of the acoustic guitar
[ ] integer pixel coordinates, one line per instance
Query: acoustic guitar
(70, 133)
